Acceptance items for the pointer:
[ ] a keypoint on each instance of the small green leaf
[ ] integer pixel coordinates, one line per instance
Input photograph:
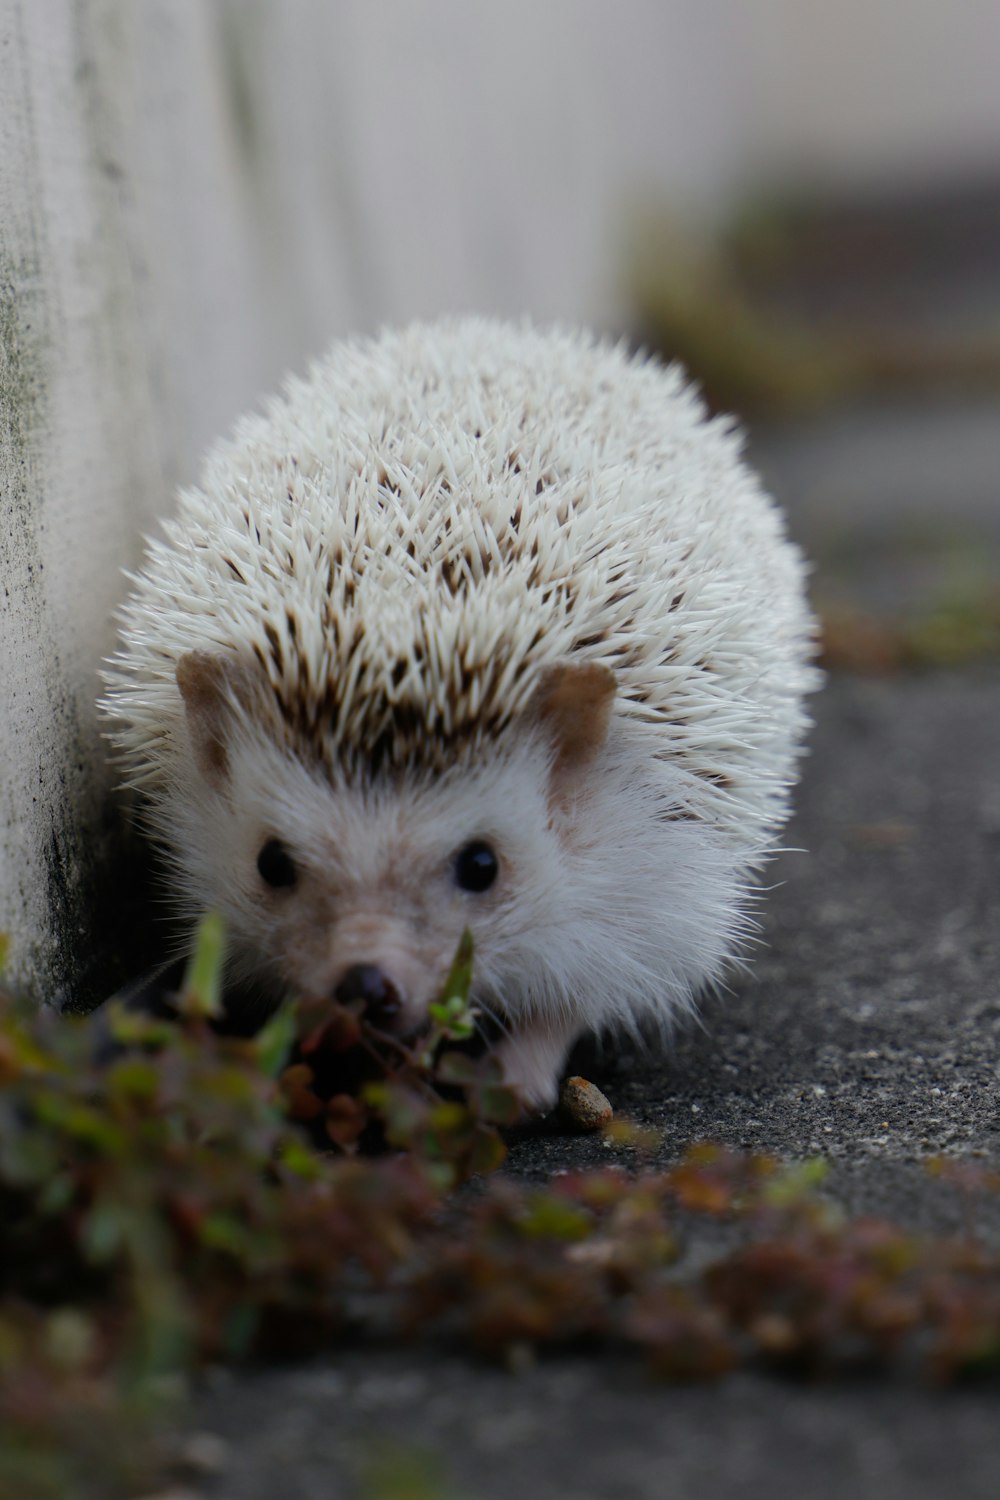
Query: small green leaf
(85, 1124)
(551, 1218)
(222, 1231)
(459, 981)
(404, 1112)
(456, 1067)
(134, 1077)
(301, 1160)
(275, 1041)
(448, 1117)
(201, 989)
(4, 950)
(132, 1029)
(499, 1104)
(488, 1152)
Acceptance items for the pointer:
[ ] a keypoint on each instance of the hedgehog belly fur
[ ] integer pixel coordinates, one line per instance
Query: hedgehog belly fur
(477, 625)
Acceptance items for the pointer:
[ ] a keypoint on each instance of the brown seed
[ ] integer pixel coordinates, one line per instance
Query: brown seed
(583, 1106)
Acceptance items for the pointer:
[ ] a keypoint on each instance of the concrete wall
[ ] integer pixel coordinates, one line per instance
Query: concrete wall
(196, 194)
(128, 277)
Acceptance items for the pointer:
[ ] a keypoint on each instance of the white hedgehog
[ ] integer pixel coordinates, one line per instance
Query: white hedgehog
(478, 626)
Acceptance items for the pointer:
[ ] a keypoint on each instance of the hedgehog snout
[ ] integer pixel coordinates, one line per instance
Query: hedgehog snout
(376, 991)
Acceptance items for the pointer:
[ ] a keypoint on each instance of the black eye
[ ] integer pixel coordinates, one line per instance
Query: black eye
(275, 865)
(476, 867)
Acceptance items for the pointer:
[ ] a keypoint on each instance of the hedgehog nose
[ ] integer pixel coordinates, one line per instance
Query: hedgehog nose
(367, 983)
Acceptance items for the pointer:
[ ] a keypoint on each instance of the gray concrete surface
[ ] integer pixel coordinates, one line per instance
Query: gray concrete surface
(576, 1431)
(868, 1034)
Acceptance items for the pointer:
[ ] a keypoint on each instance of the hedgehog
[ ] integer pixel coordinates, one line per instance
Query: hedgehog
(478, 626)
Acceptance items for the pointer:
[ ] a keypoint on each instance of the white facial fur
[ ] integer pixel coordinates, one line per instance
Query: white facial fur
(607, 905)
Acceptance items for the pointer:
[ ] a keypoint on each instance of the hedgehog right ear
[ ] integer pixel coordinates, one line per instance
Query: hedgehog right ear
(573, 704)
(211, 687)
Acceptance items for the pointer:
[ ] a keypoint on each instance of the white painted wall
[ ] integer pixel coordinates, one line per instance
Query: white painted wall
(196, 194)
(129, 272)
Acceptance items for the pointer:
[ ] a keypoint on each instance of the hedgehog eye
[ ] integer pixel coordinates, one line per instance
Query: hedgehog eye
(476, 867)
(275, 865)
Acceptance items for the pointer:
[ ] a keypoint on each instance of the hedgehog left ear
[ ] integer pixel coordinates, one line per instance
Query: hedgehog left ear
(211, 687)
(573, 703)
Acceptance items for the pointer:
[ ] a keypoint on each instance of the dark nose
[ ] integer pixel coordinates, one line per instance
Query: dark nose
(367, 983)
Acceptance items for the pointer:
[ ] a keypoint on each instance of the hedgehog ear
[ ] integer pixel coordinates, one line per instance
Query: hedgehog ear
(211, 687)
(573, 703)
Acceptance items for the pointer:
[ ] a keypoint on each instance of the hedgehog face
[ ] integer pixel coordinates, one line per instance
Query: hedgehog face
(361, 891)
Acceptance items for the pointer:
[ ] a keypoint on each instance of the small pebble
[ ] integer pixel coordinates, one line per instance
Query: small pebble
(583, 1106)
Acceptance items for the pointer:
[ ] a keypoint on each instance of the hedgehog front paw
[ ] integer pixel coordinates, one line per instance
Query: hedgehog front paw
(532, 1058)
